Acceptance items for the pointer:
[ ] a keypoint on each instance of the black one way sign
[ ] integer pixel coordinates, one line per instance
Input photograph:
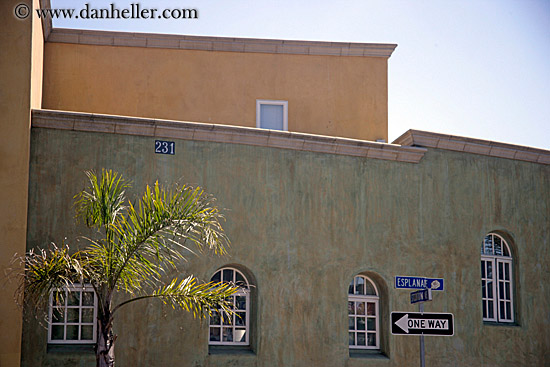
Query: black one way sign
(427, 323)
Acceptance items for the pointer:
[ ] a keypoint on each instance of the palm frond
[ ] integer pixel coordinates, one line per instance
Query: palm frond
(189, 295)
(104, 200)
(45, 270)
(151, 236)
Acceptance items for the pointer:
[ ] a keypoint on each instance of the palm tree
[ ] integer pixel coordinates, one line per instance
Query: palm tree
(137, 247)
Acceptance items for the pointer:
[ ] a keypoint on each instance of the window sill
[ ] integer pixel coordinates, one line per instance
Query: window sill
(501, 324)
(230, 350)
(366, 353)
(71, 348)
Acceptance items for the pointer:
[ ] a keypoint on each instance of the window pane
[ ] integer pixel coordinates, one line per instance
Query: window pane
(227, 334)
(482, 269)
(73, 314)
(351, 338)
(87, 298)
(371, 309)
(87, 332)
(501, 290)
(228, 275)
(498, 245)
(369, 289)
(502, 314)
(350, 289)
(489, 270)
(57, 332)
(507, 293)
(361, 339)
(216, 278)
(240, 319)
(214, 334)
(483, 289)
(240, 335)
(359, 285)
(351, 323)
(371, 324)
(372, 340)
(490, 309)
(58, 298)
(360, 306)
(487, 246)
(500, 271)
(240, 303)
(58, 315)
(508, 310)
(74, 299)
(271, 116)
(489, 289)
(72, 332)
(226, 320)
(88, 315)
(215, 318)
(240, 280)
(507, 271)
(351, 308)
(360, 323)
(484, 305)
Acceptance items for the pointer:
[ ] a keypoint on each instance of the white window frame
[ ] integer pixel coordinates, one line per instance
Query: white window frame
(260, 102)
(364, 298)
(496, 291)
(65, 307)
(244, 291)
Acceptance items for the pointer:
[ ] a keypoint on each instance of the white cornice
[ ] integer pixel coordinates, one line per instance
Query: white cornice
(427, 139)
(223, 134)
(154, 40)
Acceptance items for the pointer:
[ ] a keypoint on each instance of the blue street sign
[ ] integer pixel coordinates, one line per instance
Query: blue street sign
(404, 282)
(422, 295)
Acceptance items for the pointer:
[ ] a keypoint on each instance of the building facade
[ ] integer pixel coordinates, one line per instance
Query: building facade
(322, 213)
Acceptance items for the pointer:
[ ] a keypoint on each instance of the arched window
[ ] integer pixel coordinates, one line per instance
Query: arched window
(232, 329)
(496, 280)
(363, 314)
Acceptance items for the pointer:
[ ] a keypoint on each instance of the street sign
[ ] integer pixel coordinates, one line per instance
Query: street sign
(405, 282)
(427, 323)
(423, 295)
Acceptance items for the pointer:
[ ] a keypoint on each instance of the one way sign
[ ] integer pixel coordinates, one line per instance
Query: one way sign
(427, 323)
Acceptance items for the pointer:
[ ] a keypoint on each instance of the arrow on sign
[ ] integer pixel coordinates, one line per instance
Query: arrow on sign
(414, 323)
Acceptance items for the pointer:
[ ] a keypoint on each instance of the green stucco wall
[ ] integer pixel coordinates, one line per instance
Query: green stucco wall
(302, 224)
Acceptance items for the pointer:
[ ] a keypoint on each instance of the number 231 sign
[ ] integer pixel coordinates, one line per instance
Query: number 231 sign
(165, 147)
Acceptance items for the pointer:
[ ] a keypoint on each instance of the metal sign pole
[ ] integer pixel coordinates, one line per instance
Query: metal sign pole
(422, 361)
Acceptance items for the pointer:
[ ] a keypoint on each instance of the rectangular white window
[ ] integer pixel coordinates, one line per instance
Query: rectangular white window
(496, 289)
(272, 114)
(72, 315)
(363, 322)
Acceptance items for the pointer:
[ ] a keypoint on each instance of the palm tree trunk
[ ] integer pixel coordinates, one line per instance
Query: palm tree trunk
(105, 347)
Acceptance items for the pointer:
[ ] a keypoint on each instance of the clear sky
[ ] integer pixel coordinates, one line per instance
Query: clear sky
(477, 68)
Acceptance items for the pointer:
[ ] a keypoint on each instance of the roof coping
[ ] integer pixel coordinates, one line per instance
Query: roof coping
(110, 124)
(428, 139)
(204, 43)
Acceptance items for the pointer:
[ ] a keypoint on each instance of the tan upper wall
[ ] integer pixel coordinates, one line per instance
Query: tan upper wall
(327, 94)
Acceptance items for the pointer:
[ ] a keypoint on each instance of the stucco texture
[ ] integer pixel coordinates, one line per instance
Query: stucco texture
(21, 45)
(301, 225)
(327, 95)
